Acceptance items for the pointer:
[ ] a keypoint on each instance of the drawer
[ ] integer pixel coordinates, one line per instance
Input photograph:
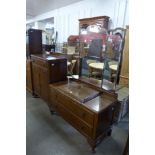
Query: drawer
(40, 62)
(75, 108)
(73, 120)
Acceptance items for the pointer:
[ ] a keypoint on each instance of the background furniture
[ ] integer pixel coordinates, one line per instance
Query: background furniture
(96, 69)
(71, 66)
(49, 48)
(33, 42)
(100, 22)
(124, 73)
(47, 69)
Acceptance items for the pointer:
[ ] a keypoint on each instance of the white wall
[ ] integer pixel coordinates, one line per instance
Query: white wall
(66, 18)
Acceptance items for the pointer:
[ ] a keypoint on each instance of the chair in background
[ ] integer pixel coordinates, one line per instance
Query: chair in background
(71, 50)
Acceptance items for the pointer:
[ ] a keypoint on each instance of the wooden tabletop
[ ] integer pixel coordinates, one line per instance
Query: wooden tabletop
(78, 90)
(97, 65)
(85, 95)
(100, 103)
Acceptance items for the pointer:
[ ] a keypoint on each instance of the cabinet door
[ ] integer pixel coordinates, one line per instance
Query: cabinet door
(44, 85)
(58, 70)
(36, 79)
(28, 77)
(34, 41)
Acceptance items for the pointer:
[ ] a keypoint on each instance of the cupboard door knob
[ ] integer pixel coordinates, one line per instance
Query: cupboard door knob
(52, 64)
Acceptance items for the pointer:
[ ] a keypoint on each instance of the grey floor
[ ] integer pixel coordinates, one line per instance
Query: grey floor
(48, 134)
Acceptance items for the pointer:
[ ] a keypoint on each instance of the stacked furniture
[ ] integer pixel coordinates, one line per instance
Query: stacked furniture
(82, 102)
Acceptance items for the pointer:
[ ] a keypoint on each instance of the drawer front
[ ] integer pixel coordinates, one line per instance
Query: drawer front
(40, 62)
(73, 120)
(76, 108)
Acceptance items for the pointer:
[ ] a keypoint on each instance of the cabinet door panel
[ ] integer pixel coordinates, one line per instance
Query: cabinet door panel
(44, 85)
(58, 71)
(28, 76)
(36, 79)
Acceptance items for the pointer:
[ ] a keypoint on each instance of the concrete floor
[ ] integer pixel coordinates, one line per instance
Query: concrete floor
(48, 134)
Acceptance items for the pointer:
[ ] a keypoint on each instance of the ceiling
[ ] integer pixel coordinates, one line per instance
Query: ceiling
(37, 7)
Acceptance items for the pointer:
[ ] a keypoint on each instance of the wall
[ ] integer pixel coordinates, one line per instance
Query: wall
(66, 18)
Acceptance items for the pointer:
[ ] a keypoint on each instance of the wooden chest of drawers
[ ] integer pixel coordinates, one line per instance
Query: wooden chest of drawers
(91, 116)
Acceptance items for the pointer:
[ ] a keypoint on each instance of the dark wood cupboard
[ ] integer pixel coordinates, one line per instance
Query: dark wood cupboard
(33, 42)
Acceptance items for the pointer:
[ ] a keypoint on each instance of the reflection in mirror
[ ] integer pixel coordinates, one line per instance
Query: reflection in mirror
(112, 58)
(71, 50)
(96, 61)
(92, 61)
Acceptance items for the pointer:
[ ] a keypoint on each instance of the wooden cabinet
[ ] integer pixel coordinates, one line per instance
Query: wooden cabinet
(33, 42)
(124, 73)
(45, 71)
(40, 79)
(88, 110)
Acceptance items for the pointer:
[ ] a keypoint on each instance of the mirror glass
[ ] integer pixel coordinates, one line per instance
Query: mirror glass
(112, 58)
(96, 60)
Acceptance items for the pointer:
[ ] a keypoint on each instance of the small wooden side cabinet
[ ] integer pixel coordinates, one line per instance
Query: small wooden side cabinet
(47, 69)
(87, 109)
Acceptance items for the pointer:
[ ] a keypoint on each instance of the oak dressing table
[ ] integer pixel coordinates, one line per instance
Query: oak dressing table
(87, 107)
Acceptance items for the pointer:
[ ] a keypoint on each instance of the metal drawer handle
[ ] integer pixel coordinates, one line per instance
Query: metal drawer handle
(52, 64)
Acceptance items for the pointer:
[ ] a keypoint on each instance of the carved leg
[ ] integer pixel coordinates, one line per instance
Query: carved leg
(92, 144)
(35, 95)
(93, 150)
